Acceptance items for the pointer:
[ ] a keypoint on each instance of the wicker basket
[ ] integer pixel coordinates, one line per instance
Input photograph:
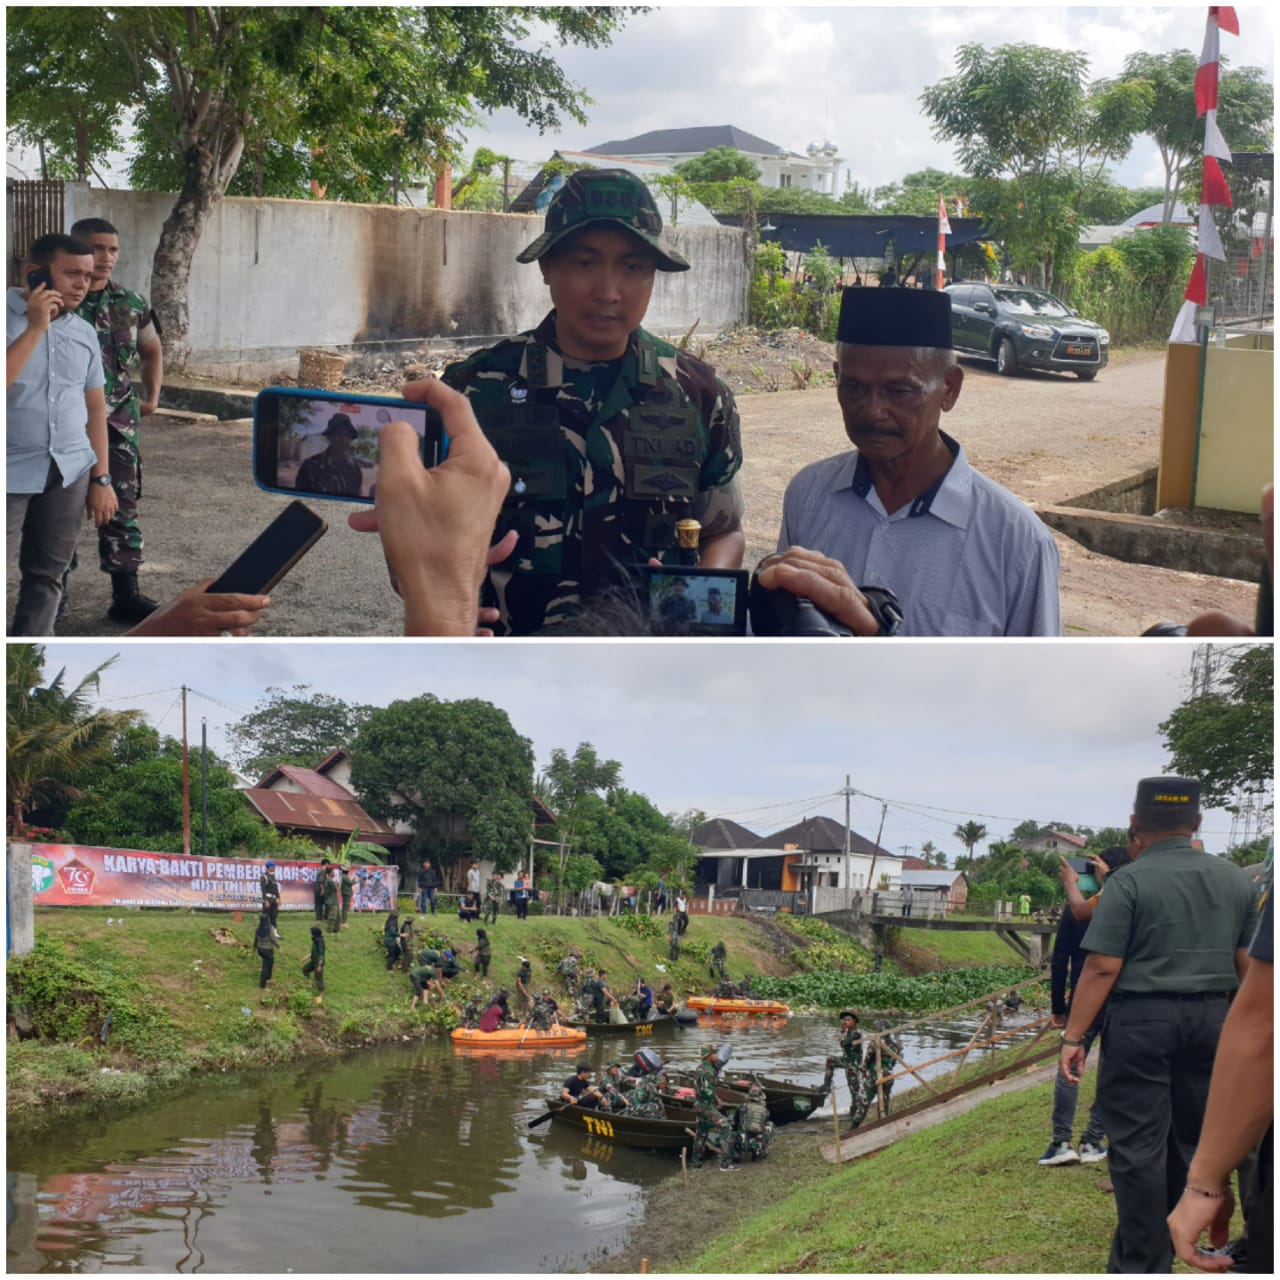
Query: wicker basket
(320, 368)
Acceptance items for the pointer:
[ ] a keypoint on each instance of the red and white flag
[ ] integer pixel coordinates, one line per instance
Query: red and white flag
(944, 223)
(1214, 191)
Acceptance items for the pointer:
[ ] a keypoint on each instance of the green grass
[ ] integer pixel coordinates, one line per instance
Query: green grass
(960, 947)
(965, 1196)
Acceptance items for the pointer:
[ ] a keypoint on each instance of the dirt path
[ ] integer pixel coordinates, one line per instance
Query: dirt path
(1047, 437)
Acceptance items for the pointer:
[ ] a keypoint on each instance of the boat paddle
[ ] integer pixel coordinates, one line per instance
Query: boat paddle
(542, 1119)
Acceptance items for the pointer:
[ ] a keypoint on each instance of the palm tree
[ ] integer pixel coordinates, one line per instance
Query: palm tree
(933, 856)
(52, 734)
(969, 835)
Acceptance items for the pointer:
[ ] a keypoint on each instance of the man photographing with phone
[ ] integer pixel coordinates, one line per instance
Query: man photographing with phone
(56, 426)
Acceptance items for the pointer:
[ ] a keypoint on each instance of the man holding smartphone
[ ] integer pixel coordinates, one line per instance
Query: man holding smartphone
(132, 361)
(611, 435)
(56, 426)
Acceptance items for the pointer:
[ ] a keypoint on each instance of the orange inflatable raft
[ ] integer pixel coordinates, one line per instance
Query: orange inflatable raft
(518, 1038)
(716, 1004)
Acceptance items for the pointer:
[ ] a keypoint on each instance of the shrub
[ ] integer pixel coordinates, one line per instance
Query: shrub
(890, 991)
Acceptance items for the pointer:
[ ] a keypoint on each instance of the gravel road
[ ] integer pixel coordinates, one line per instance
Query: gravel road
(1047, 437)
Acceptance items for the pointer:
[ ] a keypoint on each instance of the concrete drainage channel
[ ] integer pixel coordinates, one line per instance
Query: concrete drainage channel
(1119, 520)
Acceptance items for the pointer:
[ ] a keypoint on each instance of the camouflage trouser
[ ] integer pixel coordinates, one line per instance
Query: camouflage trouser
(720, 1138)
(755, 1145)
(707, 1122)
(120, 539)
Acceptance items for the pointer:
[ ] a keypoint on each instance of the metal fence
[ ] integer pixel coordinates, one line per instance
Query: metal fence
(1242, 289)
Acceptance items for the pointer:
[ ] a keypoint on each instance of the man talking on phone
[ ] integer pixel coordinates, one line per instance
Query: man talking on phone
(55, 426)
(611, 435)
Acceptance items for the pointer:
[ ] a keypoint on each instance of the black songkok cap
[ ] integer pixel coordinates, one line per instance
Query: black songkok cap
(895, 318)
(1171, 792)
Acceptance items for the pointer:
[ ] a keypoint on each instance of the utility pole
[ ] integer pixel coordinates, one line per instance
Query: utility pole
(871, 879)
(204, 788)
(186, 783)
(848, 843)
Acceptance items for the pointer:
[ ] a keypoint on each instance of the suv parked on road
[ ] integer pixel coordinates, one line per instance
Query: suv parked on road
(1023, 328)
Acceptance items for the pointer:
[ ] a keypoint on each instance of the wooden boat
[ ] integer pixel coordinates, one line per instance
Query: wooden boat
(624, 1130)
(518, 1037)
(720, 1004)
(644, 1027)
(785, 1099)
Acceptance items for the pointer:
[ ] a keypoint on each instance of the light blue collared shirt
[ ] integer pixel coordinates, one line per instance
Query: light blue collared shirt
(965, 559)
(45, 412)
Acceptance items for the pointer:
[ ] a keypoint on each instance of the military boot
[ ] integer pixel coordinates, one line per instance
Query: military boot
(128, 604)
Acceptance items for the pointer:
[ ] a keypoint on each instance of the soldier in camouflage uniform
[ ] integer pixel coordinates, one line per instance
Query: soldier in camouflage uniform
(132, 360)
(719, 955)
(645, 1099)
(334, 471)
(851, 1060)
(611, 1096)
(471, 1011)
(569, 972)
(544, 1011)
(704, 1101)
(492, 899)
(755, 1129)
(611, 434)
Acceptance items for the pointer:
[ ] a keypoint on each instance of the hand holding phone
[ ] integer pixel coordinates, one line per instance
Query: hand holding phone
(272, 553)
(436, 524)
(44, 302)
(328, 444)
(195, 612)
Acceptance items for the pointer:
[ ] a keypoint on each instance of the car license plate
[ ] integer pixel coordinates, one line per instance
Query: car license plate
(1079, 351)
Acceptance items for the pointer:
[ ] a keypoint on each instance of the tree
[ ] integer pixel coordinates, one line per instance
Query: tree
(1028, 126)
(566, 783)
(969, 835)
(371, 94)
(719, 164)
(456, 772)
(294, 726)
(139, 806)
(918, 193)
(1245, 111)
(1224, 736)
(51, 734)
(1107, 838)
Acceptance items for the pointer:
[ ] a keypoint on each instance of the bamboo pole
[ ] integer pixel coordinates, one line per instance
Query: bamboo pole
(684, 1165)
(879, 1082)
(835, 1122)
(644, 1266)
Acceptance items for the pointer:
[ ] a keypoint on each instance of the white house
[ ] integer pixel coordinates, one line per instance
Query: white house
(816, 168)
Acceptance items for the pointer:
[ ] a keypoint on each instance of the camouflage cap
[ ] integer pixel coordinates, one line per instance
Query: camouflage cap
(604, 195)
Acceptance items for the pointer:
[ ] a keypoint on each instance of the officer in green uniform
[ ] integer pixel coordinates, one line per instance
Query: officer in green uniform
(611, 1096)
(1168, 943)
(334, 470)
(718, 957)
(314, 967)
(132, 360)
(348, 890)
(611, 435)
(332, 911)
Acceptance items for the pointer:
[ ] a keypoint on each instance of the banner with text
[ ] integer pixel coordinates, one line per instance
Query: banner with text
(65, 875)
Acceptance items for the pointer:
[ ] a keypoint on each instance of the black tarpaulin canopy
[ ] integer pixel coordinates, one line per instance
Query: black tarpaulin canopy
(859, 235)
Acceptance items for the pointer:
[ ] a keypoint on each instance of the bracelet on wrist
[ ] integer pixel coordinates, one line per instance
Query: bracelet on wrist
(1211, 1195)
(1072, 1044)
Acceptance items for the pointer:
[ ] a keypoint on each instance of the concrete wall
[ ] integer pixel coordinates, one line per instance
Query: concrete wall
(20, 905)
(270, 276)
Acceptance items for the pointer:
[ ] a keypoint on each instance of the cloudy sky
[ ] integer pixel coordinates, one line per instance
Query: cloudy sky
(763, 733)
(798, 74)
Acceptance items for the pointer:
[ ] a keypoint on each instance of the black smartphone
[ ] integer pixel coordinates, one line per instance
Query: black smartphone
(325, 444)
(1081, 866)
(697, 602)
(39, 275)
(272, 553)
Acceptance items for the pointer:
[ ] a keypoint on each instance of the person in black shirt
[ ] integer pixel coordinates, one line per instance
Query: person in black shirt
(577, 1092)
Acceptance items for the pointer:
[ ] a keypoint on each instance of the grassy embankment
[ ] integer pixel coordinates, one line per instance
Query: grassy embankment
(178, 997)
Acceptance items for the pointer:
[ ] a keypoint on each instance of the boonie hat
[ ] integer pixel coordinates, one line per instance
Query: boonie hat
(593, 196)
(340, 422)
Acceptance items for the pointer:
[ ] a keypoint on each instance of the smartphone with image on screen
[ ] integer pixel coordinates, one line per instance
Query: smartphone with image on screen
(325, 444)
(272, 553)
(697, 602)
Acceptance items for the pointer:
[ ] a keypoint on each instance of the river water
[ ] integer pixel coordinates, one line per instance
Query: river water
(416, 1157)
